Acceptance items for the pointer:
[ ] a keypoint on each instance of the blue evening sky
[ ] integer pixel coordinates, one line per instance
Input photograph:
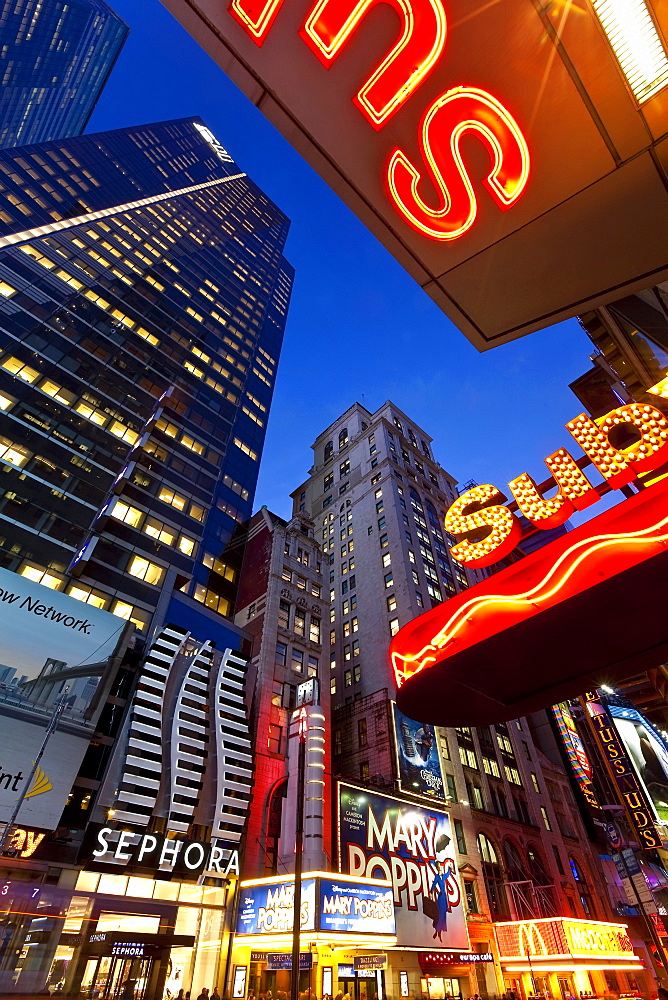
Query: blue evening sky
(359, 328)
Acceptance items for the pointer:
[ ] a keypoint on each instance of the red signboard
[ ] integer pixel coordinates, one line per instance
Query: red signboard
(512, 156)
(545, 628)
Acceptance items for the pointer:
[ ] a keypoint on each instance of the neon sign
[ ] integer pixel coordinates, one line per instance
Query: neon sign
(462, 110)
(638, 808)
(563, 937)
(472, 512)
(471, 660)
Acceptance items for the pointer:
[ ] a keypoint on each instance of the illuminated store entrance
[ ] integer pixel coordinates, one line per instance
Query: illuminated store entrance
(118, 977)
(361, 984)
(121, 965)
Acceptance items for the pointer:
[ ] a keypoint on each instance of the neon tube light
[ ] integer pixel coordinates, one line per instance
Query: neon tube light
(331, 23)
(552, 582)
(636, 44)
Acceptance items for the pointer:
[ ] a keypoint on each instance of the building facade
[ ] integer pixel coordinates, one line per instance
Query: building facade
(517, 841)
(55, 58)
(630, 337)
(144, 296)
(282, 605)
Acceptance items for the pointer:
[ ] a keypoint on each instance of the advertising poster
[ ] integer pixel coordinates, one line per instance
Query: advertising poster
(53, 648)
(575, 751)
(417, 756)
(648, 753)
(268, 909)
(411, 845)
(358, 909)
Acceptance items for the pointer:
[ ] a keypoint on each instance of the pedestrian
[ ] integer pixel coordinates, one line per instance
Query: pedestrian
(204, 995)
(215, 995)
(180, 995)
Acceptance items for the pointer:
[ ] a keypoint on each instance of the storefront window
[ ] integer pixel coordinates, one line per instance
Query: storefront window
(130, 938)
(493, 876)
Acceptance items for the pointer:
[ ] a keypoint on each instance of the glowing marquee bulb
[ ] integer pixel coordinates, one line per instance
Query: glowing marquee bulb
(620, 467)
(503, 530)
(575, 492)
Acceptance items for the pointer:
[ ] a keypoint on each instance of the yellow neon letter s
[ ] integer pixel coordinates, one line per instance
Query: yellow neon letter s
(490, 532)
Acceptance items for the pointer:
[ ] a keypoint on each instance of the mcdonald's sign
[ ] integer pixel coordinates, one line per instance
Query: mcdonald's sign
(543, 941)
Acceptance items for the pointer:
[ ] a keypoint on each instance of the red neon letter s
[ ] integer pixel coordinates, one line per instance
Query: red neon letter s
(461, 110)
(255, 16)
(330, 24)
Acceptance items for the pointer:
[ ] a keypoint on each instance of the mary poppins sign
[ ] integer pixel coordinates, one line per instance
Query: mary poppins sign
(494, 149)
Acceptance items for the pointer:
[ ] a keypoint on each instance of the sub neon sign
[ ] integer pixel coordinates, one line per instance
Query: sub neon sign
(472, 514)
(460, 111)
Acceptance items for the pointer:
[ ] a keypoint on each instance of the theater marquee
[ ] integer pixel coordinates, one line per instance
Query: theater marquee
(494, 149)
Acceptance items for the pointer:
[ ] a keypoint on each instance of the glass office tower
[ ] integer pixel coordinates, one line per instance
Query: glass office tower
(143, 296)
(55, 57)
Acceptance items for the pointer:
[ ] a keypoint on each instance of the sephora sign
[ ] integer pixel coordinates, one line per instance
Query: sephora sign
(493, 148)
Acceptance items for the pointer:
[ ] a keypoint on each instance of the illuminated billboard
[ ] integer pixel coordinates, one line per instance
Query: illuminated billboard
(418, 759)
(269, 908)
(385, 837)
(542, 941)
(53, 649)
(575, 751)
(622, 771)
(470, 661)
(648, 753)
(332, 903)
(494, 149)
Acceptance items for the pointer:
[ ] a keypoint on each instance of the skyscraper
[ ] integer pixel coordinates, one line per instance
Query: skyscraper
(378, 498)
(143, 296)
(630, 337)
(514, 836)
(55, 58)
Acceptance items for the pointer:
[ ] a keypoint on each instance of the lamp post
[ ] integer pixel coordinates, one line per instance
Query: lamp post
(299, 849)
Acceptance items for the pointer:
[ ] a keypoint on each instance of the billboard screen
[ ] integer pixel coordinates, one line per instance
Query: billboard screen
(384, 837)
(648, 753)
(418, 759)
(492, 148)
(337, 905)
(575, 751)
(52, 648)
(357, 909)
(268, 909)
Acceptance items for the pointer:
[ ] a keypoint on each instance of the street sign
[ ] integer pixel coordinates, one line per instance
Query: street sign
(370, 962)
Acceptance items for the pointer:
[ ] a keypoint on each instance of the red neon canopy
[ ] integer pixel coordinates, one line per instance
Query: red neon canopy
(590, 608)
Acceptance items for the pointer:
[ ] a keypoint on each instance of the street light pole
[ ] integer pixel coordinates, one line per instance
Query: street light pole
(60, 707)
(299, 849)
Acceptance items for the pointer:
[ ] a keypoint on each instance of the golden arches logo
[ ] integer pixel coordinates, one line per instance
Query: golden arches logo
(530, 940)
(39, 784)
